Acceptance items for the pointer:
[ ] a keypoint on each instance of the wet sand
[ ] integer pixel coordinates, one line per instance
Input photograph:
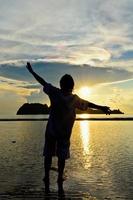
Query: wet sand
(40, 194)
(100, 167)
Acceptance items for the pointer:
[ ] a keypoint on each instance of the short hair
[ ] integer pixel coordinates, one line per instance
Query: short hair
(67, 82)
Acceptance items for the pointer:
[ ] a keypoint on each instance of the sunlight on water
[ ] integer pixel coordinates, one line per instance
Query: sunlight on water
(101, 158)
(85, 138)
(85, 135)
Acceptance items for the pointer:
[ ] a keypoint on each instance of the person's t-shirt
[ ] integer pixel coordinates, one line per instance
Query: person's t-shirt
(62, 112)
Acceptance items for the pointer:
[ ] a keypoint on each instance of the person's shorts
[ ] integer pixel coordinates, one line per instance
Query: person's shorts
(57, 147)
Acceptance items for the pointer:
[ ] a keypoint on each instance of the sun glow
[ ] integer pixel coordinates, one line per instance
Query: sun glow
(84, 92)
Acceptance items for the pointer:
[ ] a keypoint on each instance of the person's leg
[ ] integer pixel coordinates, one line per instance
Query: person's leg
(47, 166)
(49, 151)
(61, 166)
(63, 154)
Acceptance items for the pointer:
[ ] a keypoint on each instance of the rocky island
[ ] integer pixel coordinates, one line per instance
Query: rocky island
(38, 108)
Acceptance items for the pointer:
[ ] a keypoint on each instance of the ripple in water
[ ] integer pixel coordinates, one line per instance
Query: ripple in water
(101, 161)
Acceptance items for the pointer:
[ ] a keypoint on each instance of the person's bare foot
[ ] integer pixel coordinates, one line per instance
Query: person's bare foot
(60, 187)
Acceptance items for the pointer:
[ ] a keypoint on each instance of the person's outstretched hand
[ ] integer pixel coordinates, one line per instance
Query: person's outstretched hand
(106, 110)
(28, 66)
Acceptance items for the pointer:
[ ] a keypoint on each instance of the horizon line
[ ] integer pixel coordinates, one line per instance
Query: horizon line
(77, 119)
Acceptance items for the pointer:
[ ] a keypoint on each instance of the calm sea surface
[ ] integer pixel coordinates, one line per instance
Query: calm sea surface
(101, 160)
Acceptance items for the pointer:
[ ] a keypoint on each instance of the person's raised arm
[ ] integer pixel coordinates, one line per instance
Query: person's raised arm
(105, 109)
(36, 76)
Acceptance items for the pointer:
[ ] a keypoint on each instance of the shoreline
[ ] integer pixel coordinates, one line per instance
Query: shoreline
(77, 119)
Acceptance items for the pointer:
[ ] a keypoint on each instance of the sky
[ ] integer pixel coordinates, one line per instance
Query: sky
(90, 39)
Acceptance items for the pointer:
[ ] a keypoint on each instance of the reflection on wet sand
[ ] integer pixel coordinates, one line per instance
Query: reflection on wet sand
(40, 195)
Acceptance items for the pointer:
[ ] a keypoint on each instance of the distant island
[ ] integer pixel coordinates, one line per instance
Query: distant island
(38, 109)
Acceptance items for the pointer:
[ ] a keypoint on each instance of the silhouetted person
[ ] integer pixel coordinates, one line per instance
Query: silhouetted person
(60, 123)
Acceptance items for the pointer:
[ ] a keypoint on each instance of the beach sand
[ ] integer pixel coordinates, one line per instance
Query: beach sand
(31, 193)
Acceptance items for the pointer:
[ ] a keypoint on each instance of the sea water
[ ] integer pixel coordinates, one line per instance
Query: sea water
(101, 160)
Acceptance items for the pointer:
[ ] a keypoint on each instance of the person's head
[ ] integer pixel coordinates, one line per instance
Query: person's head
(67, 83)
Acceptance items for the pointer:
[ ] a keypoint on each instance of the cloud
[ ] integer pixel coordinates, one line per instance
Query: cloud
(99, 35)
(90, 39)
(122, 82)
(10, 101)
(17, 87)
(52, 72)
(38, 96)
(15, 78)
(89, 55)
(116, 95)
